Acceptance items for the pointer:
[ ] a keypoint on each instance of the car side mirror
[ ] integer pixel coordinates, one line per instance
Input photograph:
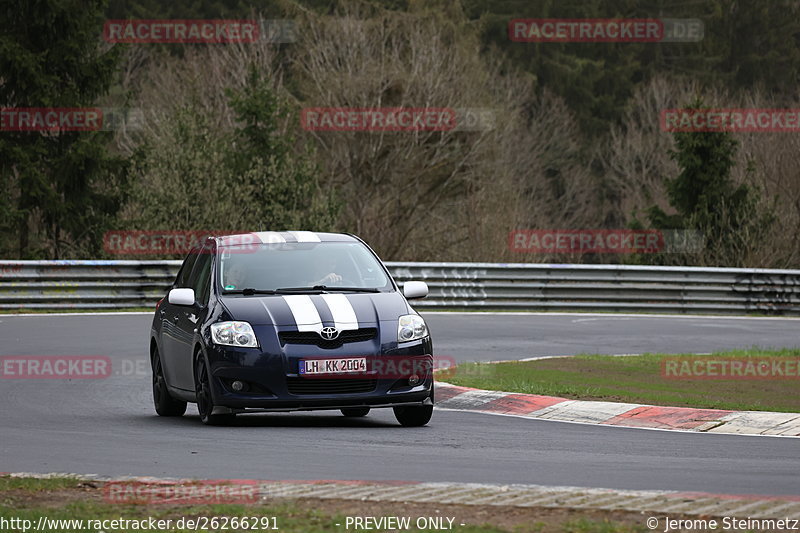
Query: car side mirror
(415, 289)
(181, 296)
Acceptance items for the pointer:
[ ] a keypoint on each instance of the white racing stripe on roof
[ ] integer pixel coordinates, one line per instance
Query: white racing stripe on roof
(305, 236)
(344, 316)
(270, 237)
(304, 312)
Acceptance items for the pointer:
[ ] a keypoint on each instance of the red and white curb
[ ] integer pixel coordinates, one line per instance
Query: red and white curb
(617, 414)
(516, 495)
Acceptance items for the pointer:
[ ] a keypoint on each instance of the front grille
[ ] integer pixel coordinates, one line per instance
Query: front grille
(312, 337)
(330, 386)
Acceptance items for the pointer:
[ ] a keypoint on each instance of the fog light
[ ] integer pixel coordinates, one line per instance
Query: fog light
(413, 380)
(238, 386)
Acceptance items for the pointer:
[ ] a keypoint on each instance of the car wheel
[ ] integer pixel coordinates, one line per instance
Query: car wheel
(205, 401)
(355, 412)
(413, 415)
(164, 403)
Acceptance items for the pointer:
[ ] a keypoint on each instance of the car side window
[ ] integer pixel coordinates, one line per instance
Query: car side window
(182, 281)
(201, 275)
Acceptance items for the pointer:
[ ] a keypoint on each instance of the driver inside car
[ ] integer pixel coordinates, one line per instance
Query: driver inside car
(328, 271)
(235, 277)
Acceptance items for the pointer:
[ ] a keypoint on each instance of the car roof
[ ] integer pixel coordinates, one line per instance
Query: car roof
(277, 237)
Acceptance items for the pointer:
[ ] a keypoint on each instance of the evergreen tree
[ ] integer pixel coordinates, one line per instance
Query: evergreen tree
(61, 188)
(252, 177)
(707, 200)
(285, 184)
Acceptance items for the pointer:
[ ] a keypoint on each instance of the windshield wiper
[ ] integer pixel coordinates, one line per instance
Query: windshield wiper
(249, 291)
(289, 290)
(353, 289)
(315, 288)
(325, 288)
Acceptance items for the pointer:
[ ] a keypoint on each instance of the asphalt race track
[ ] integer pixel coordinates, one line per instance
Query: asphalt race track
(492, 337)
(108, 426)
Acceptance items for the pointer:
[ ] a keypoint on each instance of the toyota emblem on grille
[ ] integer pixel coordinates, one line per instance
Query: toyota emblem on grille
(329, 334)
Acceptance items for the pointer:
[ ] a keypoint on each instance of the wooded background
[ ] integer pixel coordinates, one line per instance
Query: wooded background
(575, 141)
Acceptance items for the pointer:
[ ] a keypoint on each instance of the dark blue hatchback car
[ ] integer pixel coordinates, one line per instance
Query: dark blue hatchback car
(287, 321)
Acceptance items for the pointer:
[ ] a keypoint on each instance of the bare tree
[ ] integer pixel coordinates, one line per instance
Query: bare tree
(437, 195)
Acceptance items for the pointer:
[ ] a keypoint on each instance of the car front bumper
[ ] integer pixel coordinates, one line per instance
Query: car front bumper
(273, 382)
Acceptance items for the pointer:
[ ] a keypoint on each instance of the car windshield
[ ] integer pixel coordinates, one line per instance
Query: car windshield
(327, 266)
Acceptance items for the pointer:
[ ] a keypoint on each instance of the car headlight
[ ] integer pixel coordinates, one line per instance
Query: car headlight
(239, 334)
(411, 328)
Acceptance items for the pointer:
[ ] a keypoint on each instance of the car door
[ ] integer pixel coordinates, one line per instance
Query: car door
(191, 316)
(171, 332)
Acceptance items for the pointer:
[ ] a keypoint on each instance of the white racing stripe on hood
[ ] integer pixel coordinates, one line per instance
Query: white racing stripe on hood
(270, 237)
(304, 312)
(344, 316)
(305, 236)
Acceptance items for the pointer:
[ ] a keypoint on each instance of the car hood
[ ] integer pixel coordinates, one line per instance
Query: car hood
(344, 311)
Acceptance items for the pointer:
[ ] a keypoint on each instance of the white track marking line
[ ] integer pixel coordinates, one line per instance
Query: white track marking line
(424, 311)
(615, 426)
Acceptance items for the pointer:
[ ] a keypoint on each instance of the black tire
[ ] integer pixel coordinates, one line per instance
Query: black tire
(413, 415)
(205, 401)
(355, 412)
(164, 403)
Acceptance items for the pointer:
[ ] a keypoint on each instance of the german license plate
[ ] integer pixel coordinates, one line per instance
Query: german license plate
(349, 365)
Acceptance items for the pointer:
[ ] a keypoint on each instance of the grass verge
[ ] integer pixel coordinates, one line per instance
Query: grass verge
(643, 379)
(72, 499)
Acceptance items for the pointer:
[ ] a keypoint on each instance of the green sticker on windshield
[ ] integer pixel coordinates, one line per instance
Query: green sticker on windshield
(230, 287)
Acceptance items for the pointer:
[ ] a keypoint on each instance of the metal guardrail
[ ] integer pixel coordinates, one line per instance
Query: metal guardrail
(128, 284)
